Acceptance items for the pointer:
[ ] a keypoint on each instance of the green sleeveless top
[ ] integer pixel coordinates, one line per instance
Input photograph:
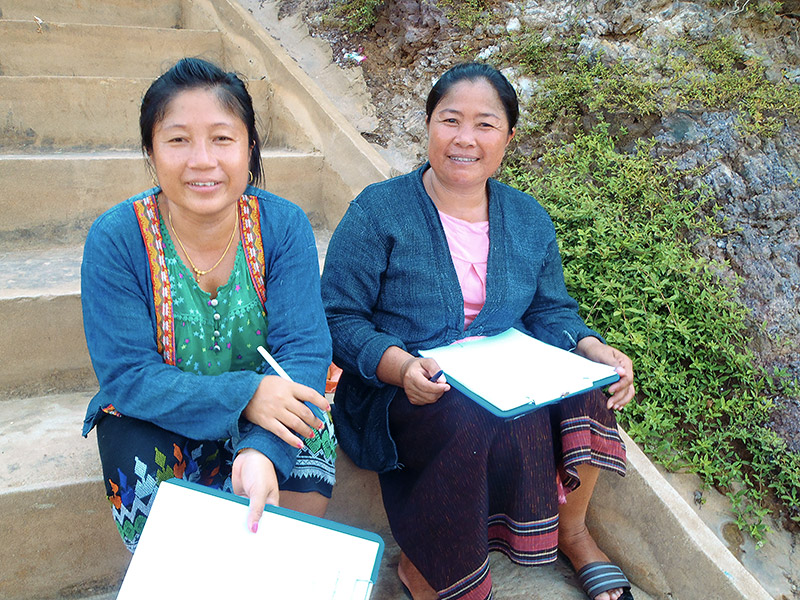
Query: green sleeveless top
(215, 335)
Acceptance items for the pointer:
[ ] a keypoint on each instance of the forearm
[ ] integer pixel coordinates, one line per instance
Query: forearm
(590, 346)
(393, 365)
(623, 390)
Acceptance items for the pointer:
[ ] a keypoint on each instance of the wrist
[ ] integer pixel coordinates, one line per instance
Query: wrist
(404, 367)
(586, 345)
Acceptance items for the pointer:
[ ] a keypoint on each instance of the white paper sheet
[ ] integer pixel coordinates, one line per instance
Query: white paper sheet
(512, 369)
(196, 545)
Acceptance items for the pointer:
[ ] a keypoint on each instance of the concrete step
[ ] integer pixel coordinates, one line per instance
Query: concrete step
(99, 50)
(59, 539)
(80, 113)
(42, 327)
(44, 346)
(146, 13)
(37, 213)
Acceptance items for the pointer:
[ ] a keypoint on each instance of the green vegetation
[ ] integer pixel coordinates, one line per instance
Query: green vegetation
(763, 7)
(354, 15)
(623, 225)
(592, 88)
(360, 15)
(730, 81)
(717, 75)
(465, 13)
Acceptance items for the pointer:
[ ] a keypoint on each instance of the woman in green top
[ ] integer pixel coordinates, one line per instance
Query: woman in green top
(180, 286)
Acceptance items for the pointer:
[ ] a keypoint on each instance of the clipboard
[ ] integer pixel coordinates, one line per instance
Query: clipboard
(195, 544)
(512, 373)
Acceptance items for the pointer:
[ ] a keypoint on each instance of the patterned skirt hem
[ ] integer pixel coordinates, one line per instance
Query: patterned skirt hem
(527, 544)
(586, 441)
(475, 586)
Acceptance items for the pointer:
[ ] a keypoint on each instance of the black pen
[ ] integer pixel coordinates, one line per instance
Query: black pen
(435, 378)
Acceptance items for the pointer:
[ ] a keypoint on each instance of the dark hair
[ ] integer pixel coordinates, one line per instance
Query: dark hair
(473, 72)
(195, 73)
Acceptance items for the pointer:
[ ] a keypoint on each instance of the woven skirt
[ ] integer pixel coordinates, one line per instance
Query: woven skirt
(137, 456)
(471, 483)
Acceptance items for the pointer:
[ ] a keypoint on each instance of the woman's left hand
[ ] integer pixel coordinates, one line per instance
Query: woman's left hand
(621, 391)
(253, 476)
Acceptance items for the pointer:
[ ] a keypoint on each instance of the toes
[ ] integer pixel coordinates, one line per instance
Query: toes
(609, 595)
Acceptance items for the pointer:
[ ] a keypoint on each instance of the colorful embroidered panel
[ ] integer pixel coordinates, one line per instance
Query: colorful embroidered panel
(250, 220)
(148, 216)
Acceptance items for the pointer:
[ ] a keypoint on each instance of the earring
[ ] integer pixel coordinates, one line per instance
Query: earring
(250, 178)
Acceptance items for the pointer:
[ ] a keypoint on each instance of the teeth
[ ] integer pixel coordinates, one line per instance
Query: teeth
(463, 159)
(203, 183)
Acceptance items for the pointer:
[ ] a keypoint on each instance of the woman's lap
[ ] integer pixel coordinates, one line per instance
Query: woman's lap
(137, 456)
(472, 483)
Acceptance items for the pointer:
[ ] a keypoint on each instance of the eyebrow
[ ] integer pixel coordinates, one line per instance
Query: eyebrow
(183, 125)
(459, 113)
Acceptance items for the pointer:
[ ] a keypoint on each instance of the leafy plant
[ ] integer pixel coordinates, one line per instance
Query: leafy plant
(465, 13)
(734, 82)
(624, 226)
(594, 88)
(716, 75)
(721, 54)
(531, 52)
(355, 15)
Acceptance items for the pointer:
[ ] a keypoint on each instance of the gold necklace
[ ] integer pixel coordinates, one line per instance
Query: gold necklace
(199, 272)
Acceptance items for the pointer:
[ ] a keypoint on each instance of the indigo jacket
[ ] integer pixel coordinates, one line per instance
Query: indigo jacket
(389, 280)
(119, 315)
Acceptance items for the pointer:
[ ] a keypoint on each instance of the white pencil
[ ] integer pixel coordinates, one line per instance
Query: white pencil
(284, 375)
(274, 364)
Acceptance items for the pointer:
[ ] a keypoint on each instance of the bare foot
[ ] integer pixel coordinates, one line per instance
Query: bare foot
(581, 549)
(411, 577)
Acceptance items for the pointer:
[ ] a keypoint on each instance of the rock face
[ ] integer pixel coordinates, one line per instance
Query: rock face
(756, 180)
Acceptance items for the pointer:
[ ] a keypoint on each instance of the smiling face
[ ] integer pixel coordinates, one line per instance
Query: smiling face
(200, 154)
(467, 135)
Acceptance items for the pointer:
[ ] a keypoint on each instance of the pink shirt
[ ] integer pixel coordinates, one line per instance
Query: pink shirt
(469, 248)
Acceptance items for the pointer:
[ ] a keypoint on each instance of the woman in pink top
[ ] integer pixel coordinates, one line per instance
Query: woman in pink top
(431, 257)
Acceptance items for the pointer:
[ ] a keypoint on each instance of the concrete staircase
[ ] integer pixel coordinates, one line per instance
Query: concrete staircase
(72, 73)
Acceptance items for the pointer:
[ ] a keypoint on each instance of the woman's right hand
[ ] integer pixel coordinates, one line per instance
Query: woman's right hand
(416, 375)
(278, 406)
(253, 476)
(413, 374)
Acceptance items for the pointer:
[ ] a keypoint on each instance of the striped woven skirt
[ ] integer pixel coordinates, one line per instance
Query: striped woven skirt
(471, 483)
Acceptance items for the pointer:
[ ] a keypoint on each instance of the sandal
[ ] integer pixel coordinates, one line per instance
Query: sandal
(598, 577)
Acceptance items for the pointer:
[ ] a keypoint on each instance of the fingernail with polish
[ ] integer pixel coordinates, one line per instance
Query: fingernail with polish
(254, 527)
